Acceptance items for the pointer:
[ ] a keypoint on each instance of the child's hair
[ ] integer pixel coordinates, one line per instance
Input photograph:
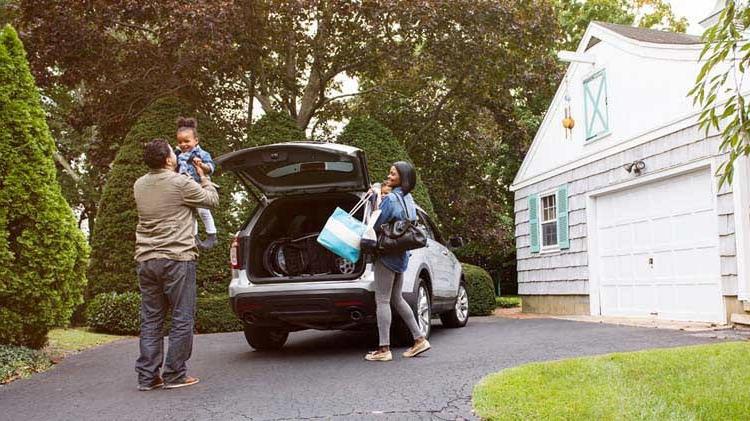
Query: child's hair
(187, 123)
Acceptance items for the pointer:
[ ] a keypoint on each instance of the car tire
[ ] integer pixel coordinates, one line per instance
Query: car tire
(265, 338)
(400, 333)
(459, 315)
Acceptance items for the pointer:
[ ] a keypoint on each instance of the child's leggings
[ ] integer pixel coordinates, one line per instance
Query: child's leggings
(208, 220)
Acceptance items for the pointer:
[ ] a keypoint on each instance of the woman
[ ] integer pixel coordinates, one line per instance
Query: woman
(389, 268)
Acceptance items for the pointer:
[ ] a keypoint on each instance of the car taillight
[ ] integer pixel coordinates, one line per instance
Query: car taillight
(234, 254)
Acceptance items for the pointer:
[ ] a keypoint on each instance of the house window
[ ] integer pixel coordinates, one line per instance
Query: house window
(548, 211)
(595, 103)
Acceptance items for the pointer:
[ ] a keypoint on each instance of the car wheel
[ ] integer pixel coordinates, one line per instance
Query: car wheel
(265, 338)
(459, 315)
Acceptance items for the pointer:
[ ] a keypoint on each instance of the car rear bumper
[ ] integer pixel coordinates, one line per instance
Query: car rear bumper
(304, 309)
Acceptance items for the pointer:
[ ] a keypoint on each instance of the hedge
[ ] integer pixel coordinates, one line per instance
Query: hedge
(112, 267)
(480, 289)
(120, 314)
(382, 150)
(43, 254)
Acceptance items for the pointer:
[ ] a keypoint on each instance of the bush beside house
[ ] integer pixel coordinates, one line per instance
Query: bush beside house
(43, 254)
(480, 289)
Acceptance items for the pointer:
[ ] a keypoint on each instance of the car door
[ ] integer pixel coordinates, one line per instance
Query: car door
(439, 260)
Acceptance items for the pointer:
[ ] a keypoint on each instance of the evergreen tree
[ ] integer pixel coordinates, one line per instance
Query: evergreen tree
(112, 265)
(382, 150)
(43, 254)
(274, 127)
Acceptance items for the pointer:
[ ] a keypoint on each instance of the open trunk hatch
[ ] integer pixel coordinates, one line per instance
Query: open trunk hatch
(299, 167)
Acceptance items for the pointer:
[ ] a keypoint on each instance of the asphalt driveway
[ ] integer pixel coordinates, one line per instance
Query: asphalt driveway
(318, 375)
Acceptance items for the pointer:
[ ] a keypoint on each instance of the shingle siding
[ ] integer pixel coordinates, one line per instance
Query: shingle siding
(566, 271)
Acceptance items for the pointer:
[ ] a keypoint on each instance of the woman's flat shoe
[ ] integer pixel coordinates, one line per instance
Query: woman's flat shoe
(379, 356)
(417, 349)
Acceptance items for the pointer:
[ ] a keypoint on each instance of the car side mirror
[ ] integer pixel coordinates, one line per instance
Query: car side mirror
(455, 242)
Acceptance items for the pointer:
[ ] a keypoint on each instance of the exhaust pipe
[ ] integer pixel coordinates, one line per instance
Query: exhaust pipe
(356, 315)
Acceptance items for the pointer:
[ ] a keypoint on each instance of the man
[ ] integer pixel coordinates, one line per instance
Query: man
(165, 250)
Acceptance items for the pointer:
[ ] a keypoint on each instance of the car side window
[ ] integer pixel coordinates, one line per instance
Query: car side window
(424, 224)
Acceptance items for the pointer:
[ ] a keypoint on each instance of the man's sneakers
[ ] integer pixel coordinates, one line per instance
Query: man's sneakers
(158, 383)
(185, 381)
(208, 243)
(417, 349)
(379, 356)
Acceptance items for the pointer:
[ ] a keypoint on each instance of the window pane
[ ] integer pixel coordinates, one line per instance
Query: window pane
(549, 234)
(549, 208)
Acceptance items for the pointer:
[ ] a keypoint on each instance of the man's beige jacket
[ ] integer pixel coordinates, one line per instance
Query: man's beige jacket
(166, 219)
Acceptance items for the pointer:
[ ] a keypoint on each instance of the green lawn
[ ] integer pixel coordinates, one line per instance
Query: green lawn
(696, 382)
(508, 301)
(76, 339)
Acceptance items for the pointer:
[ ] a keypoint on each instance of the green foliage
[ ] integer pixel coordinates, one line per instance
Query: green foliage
(112, 265)
(574, 17)
(43, 254)
(382, 150)
(119, 314)
(725, 41)
(274, 127)
(705, 382)
(480, 289)
(19, 361)
(213, 315)
(508, 302)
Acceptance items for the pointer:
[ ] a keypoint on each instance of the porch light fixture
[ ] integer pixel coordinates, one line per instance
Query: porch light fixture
(635, 167)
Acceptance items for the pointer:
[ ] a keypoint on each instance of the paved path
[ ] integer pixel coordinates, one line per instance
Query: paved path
(318, 375)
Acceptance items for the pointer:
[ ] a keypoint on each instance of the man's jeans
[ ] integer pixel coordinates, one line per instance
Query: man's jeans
(163, 282)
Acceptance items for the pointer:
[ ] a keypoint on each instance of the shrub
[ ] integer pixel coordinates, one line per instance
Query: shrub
(480, 289)
(214, 315)
(19, 361)
(112, 266)
(508, 302)
(110, 312)
(382, 150)
(43, 254)
(120, 314)
(274, 127)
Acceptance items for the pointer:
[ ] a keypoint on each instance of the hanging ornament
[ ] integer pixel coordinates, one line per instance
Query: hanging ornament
(568, 122)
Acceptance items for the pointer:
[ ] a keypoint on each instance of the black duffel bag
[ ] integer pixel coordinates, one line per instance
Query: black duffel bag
(400, 236)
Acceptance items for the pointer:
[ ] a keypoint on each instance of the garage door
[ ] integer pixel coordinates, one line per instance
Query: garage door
(657, 250)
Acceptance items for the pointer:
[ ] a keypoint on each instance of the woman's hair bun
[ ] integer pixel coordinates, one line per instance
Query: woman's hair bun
(187, 122)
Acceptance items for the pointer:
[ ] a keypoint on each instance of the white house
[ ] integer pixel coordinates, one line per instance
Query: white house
(622, 215)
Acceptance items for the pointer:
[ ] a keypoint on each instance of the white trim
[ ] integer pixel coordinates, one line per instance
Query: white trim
(741, 195)
(640, 139)
(591, 219)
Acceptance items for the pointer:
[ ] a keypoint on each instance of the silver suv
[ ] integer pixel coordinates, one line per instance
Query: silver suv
(284, 281)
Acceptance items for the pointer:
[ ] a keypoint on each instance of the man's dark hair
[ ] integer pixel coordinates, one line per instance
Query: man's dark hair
(155, 153)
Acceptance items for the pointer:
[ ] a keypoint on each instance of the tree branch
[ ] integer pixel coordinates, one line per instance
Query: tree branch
(66, 166)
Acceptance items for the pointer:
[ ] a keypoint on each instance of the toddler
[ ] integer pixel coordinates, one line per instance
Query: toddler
(188, 152)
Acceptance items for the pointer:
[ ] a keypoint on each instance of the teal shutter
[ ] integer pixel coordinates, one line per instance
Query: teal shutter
(595, 105)
(534, 222)
(563, 233)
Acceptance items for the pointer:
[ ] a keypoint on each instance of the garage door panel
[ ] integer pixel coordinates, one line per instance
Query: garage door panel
(664, 259)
